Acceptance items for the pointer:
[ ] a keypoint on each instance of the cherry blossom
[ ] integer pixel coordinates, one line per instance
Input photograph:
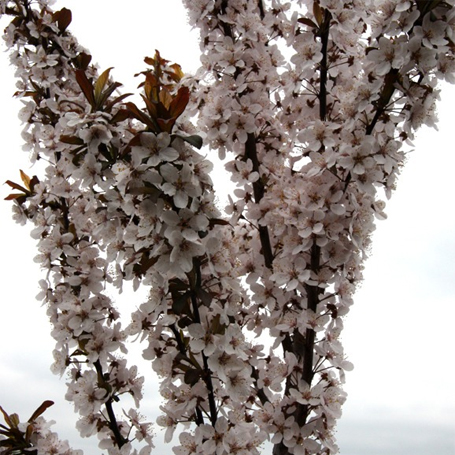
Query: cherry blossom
(313, 100)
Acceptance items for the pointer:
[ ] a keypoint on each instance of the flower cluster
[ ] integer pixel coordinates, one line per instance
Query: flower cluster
(313, 101)
(127, 197)
(33, 436)
(317, 145)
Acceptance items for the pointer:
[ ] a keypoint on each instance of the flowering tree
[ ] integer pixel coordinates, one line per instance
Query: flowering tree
(311, 102)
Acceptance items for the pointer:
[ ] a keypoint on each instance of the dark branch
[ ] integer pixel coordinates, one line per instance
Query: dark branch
(112, 421)
(259, 191)
(303, 345)
(261, 9)
(207, 372)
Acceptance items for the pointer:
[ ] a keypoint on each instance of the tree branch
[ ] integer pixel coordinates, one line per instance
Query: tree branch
(259, 191)
(113, 425)
(261, 9)
(303, 346)
(207, 372)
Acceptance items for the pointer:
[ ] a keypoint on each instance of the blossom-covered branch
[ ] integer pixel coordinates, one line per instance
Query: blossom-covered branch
(327, 126)
(312, 102)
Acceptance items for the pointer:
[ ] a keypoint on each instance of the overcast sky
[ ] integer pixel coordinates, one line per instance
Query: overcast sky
(399, 333)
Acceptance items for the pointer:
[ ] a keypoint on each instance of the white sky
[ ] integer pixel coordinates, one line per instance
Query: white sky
(399, 333)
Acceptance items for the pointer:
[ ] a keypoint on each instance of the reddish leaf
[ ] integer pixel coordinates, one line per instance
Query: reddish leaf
(194, 140)
(86, 87)
(151, 87)
(165, 97)
(110, 105)
(83, 60)
(180, 102)
(73, 140)
(141, 116)
(166, 125)
(44, 405)
(16, 186)
(204, 296)
(306, 21)
(149, 60)
(214, 221)
(101, 83)
(63, 18)
(101, 101)
(6, 417)
(192, 376)
(177, 74)
(318, 13)
(34, 181)
(16, 197)
(29, 433)
(151, 107)
(120, 116)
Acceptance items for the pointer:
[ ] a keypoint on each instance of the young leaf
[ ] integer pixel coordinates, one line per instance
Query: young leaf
(166, 124)
(308, 22)
(180, 102)
(120, 98)
(144, 118)
(180, 304)
(165, 97)
(82, 61)
(192, 376)
(7, 418)
(317, 11)
(151, 87)
(44, 405)
(73, 140)
(101, 83)
(63, 18)
(26, 192)
(194, 140)
(151, 107)
(21, 198)
(16, 186)
(120, 116)
(177, 73)
(25, 178)
(86, 87)
(204, 296)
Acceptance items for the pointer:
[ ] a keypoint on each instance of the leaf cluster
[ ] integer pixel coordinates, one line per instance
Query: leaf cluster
(163, 105)
(16, 441)
(98, 93)
(26, 191)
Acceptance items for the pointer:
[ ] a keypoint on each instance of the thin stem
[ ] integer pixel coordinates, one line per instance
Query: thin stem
(259, 191)
(199, 418)
(207, 376)
(251, 153)
(226, 28)
(113, 425)
(261, 9)
(388, 90)
(313, 290)
(324, 31)
(260, 392)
